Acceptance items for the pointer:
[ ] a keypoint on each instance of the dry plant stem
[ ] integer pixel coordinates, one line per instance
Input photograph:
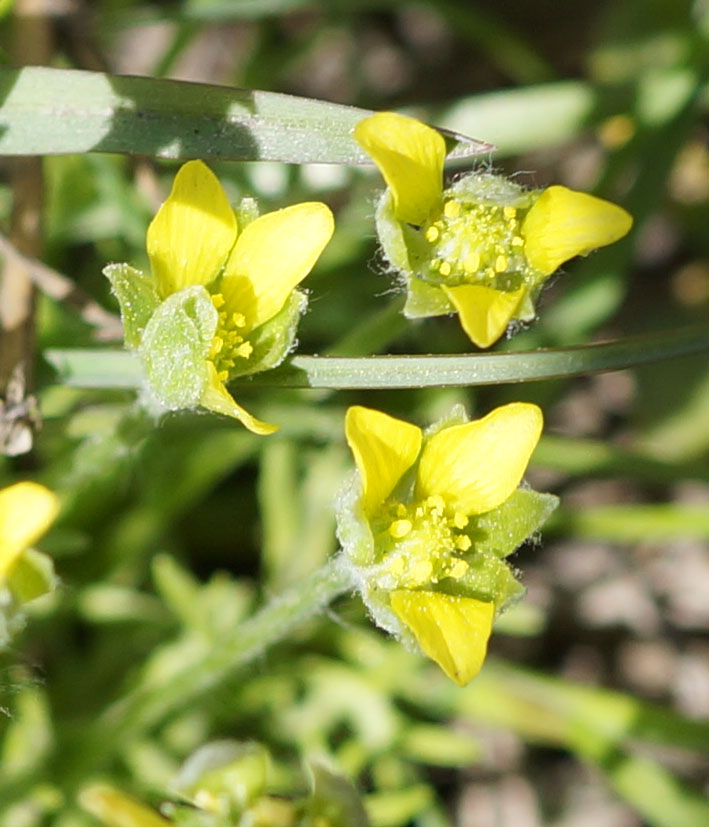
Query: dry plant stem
(61, 288)
(32, 44)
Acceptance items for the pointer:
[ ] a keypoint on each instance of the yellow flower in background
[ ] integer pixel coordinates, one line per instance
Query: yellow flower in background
(27, 509)
(424, 558)
(482, 247)
(222, 301)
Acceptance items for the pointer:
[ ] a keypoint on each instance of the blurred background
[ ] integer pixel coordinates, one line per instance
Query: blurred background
(590, 709)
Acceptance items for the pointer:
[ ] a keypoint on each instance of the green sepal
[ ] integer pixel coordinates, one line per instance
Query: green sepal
(334, 802)
(488, 578)
(353, 530)
(391, 235)
(273, 340)
(424, 299)
(489, 188)
(31, 576)
(175, 347)
(137, 297)
(506, 527)
(246, 212)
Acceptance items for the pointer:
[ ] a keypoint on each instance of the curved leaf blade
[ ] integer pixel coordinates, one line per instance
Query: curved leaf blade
(46, 111)
(106, 369)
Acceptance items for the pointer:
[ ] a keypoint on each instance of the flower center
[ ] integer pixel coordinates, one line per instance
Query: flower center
(229, 343)
(475, 243)
(420, 543)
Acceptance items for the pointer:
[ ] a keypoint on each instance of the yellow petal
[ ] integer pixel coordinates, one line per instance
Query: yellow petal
(564, 223)
(115, 809)
(218, 399)
(451, 630)
(484, 312)
(271, 257)
(410, 156)
(26, 512)
(384, 448)
(476, 466)
(193, 231)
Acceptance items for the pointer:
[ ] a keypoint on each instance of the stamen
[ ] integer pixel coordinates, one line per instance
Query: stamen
(501, 264)
(459, 520)
(463, 542)
(400, 528)
(217, 345)
(472, 263)
(432, 234)
(458, 569)
(451, 209)
(509, 212)
(436, 503)
(421, 571)
(445, 269)
(397, 566)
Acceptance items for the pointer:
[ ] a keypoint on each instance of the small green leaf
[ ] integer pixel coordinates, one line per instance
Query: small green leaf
(32, 576)
(137, 298)
(334, 801)
(175, 346)
(232, 773)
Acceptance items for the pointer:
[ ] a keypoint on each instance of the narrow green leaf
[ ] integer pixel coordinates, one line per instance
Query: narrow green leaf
(106, 369)
(48, 111)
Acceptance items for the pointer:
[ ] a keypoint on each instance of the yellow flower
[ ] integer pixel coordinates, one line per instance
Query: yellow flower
(224, 302)
(422, 498)
(26, 512)
(484, 246)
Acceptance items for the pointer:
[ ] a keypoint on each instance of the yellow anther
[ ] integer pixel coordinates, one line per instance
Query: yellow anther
(445, 269)
(500, 264)
(518, 241)
(435, 263)
(421, 571)
(217, 300)
(451, 209)
(432, 234)
(460, 520)
(244, 350)
(458, 569)
(509, 212)
(238, 319)
(217, 345)
(463, 542)
(400, 510)
(472, 263)
(436, 503)
(400, 528)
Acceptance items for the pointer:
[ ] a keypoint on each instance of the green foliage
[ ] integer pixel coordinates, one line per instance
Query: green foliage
(186, 598)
